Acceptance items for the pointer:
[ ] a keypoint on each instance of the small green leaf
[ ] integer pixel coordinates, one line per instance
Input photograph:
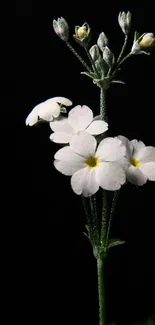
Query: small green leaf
(115, 242)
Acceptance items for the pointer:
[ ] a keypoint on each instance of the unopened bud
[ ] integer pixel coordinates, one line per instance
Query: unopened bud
(102, 41)
(61, 28)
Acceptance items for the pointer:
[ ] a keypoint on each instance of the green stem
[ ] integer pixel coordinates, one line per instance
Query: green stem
(123, 49)
(95, 230)
(92, 62)
(78, 57)
(101, 295)
(113, 207)
(102, 105)
(104, 218)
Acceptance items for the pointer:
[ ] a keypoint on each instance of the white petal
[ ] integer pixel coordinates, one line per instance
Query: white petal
(80, 117)
(61, 125)
(83, 144)
(67, 168)
(48, 110)
(63, 101)
(149, 170)
(135, 176)
(146, 154)
(124, 163)
(84, 182)
(137, 146)
(67, 154)
(32, 118)
(97, 127)
(110, 149)
(60, 137)
(110, 176)
(128, 145)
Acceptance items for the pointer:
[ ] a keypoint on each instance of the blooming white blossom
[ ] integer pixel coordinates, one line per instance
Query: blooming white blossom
(139, 161)
(89, 167)
(79, 119)
(47, 110)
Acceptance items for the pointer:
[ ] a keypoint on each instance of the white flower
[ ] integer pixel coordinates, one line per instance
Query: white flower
(91, 168)
(79, 119)
(47, 110)
(140, 161)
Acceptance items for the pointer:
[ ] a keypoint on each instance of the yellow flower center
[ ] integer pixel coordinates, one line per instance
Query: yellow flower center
(134, 162)
(92, 162)
(82, 32)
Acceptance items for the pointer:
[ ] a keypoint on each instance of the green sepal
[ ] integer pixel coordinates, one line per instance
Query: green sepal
(115, 242)
(63, 110)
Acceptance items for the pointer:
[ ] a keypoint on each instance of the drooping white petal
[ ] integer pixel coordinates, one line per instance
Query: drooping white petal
(137, 146)
(148, 169)
(61, 137)
(63, 101)
(128, 145)
(110, 149)
(49, 110)
(135, 176)
(80, 117)
(84, 182)
(83, 144)
(32, 118)
(97, 127)
(110, 176)
(146, 154)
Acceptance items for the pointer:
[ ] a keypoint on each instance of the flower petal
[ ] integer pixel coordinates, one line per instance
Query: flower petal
(135, 176)
(61, 125)
(60, 137)
(110, 176)
(62, 100)
(67, 161)
(97, 127)
(80, 117)
(128, 145)
(148, 169)
(83, 144)
(32, 118)
(146, 154)
(48, 110)
(84, 182)
(137, 146)
(110, 149)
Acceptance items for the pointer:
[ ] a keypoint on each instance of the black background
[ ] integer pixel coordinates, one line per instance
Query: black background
(56, 269)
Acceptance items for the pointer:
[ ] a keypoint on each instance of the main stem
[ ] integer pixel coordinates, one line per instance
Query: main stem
(102, 105)
(100, 273)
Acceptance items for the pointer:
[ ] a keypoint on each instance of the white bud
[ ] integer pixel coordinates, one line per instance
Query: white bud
(102, 41)
(108, 56)
(61, 28)
(124, 21)
(94, 52)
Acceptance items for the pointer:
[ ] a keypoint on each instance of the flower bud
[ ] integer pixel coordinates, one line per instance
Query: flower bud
(102, 41)
(61, 28)
(94, 52)
(108, 56)
(143, 43)
(124, 21)
(147, 41)
(82, 34)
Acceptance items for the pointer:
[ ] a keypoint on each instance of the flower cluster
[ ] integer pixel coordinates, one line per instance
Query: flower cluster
(107, 165)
